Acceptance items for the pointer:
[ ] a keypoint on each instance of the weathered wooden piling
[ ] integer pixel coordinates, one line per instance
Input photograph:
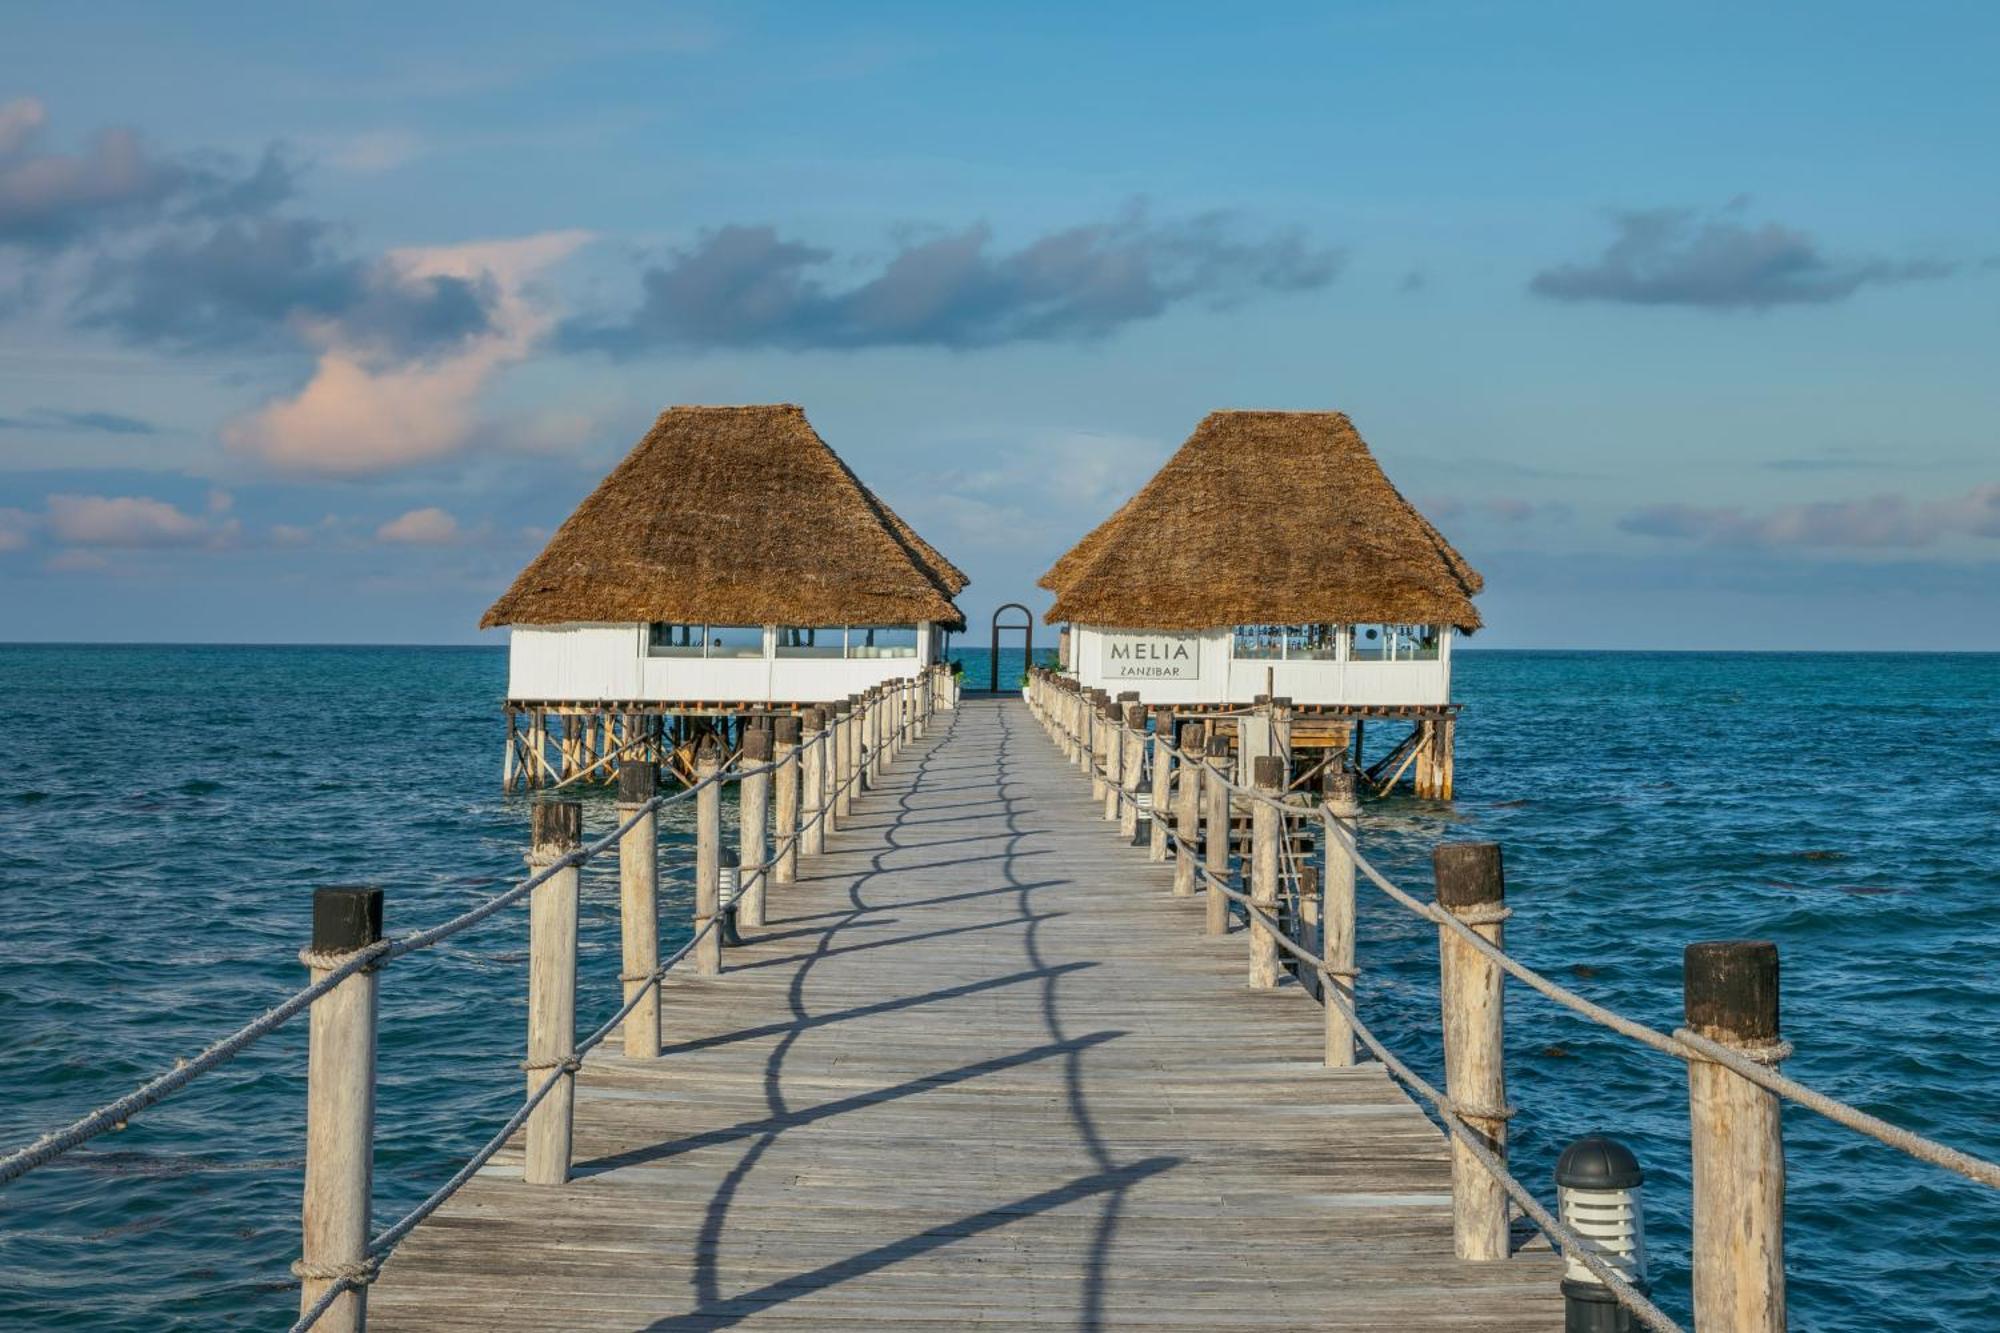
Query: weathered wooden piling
(1266, 828)
(1471, 886)
(1730, 994)
(843, 760)
(785, 783)
(556, 832)
(813, 785)
(1337, 936)
(753, 848)
(340, 1109)
(639, 905)
(1216, 803)
(1113, 791)
(1187, 807)
(1131, 768)
(1162, 780)
(708, 858)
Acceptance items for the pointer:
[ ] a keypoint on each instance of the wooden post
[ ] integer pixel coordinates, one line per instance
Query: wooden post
(557, 830)
(1093, 741)
(1266, 827)
(1472, 887)
(1113, 793)
(1281, 734)
(340, 1109)
(1163, 777)
(1337, 937)
(639, 905)
(1131, 764)
(753, 849)
(513, 745)
(1187, 807)
(812, 781)
(708, 856)
(878, 733)
(785, 789)
(1447, 783)
(1307, 928)
(1730, 993)
(843, 757)
(1215, 788)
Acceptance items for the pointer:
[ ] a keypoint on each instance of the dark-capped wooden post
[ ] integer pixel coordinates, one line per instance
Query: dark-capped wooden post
(1731, 997)
(1472, 887)
(1337, 936)
(708, 857)
(557, 831)
(1187, 807)
(1097, 730)
(812, 781)
(785, 788)
(753, 848)
(1215, 786)
(639, 905)
(1267, 825)
(340, 1108)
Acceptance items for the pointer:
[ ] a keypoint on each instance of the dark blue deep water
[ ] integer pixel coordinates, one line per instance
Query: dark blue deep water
(166, 811)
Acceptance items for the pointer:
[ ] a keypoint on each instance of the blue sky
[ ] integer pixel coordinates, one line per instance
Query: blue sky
(1680, 322)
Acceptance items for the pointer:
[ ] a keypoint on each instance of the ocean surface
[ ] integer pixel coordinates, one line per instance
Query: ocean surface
(166, 812)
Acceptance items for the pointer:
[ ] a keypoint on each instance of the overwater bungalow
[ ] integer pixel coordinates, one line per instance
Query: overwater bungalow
(1272, 558)
(731, 567)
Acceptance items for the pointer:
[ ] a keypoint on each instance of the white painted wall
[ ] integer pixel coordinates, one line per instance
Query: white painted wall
(610, 662)
(1225, 680)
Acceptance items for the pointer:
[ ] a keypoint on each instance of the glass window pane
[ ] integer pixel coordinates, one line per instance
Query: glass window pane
(735, 640)
(870, 641)
(811, 641)
(664, 639)
(1259, 643)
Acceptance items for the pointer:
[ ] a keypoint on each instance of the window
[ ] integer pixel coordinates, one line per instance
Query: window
(812, 641)
(1395, 643)
(671, 639)
(735, 640)
(882, 641)
(1281, 643)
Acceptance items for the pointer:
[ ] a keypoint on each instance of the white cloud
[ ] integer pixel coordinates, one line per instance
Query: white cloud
(429, 526)
(361, 414)
(130, 522)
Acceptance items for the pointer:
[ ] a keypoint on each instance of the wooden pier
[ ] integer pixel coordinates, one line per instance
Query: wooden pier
(980, 1068)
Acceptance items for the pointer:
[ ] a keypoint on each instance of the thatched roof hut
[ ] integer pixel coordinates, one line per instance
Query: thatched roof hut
(1265, 518)
(733, 516)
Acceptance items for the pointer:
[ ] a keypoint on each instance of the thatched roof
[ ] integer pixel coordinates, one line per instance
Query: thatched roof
(1265, 518)
(733, 516)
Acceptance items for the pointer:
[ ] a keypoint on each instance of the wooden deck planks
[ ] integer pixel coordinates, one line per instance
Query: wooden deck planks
(980, 1070)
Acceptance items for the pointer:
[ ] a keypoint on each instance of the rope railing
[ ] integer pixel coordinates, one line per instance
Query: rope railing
(1752, 1060)
(913, 699)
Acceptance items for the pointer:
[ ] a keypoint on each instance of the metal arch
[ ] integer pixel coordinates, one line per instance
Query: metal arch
(993, 629)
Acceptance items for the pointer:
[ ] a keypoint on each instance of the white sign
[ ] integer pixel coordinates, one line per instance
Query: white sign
(1139, 656)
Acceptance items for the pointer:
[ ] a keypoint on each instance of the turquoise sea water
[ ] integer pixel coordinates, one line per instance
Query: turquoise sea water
(166, 810)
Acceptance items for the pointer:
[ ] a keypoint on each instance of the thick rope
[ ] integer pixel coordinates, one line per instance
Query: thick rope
(1681, 1044)
(114, 1114)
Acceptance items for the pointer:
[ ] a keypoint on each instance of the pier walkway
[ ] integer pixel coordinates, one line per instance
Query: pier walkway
(981, 1069)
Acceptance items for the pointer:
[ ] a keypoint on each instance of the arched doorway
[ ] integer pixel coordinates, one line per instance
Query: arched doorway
(1027, 628)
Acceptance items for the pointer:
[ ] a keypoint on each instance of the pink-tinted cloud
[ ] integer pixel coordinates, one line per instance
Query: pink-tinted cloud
(429, 526)
(1876, 521)
(364, 413)
(131, 522)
